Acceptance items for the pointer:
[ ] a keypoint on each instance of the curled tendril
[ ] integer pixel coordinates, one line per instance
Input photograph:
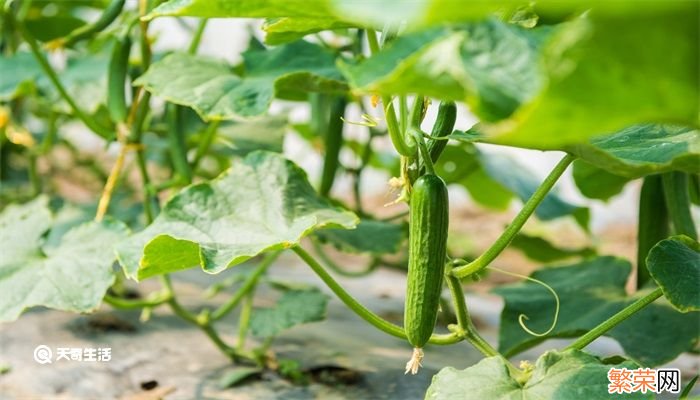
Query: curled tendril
(367, 120)
(522, 317)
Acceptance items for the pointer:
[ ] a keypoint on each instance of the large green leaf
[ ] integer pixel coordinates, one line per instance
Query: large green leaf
(243, 9)
(294, 308)
(551, 86)
(605, 73)
(263, 203)
(72, 275)
(674, 264)
(590, 292)
(557, 375)
(644, 149)
(370, 236)
(491, 65)
(212, 89)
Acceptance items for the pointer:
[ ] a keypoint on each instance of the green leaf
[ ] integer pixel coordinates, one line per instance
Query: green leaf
(370, 236)
(590, 292)
(552, 86)
(294, 308)
(243, 9)
(73, 275)
(674, 264)
(17, 69)
(47, 28)
(263, 203)
(539, 249)
(597, 183)
(599, 71)
(644, 149)
(491, 65)
(212, 89)
(570, 374)
(285, 30)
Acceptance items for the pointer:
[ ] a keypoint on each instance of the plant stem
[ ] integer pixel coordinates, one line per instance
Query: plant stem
(403, 147)
(611, 322)
(247, 286)
(197, 38)
(359, 309)
(53, 77)
(507, 236)
(244, 320)
(463, 319)
(203, 321)
(106, 196)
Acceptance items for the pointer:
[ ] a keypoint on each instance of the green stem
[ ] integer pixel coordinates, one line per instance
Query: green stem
(244, 320)
(249, 284)
(425, 154)
(611, 322)
(53, 77)
(34, 174)
(677, 195)
(359, 309)
(403, 147)
(197, 38)
(203, 321)
(507, 236)
(464, 321)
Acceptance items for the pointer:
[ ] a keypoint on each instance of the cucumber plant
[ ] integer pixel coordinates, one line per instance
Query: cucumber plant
(612, 87)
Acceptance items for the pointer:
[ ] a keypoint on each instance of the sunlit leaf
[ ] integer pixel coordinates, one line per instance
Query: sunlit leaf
(72, 275)
(262, 203)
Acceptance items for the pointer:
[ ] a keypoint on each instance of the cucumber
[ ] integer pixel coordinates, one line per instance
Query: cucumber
(653, 224)
(444, 124)
(333, 142)
(116, 91)
(426, 261)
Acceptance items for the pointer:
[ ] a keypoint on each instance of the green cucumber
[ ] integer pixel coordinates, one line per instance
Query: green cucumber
(116, 90)
(426, 261)
(444, 124)
(334, 142)
(653, 224)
